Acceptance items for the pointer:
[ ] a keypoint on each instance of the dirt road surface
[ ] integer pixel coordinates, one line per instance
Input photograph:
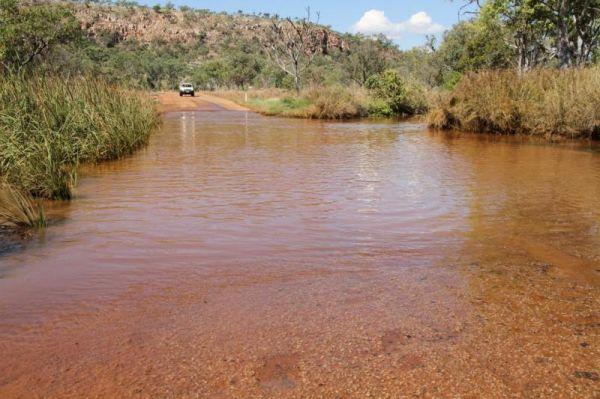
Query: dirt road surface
(172, 102)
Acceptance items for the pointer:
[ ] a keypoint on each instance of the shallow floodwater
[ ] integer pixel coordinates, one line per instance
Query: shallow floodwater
(241, 256)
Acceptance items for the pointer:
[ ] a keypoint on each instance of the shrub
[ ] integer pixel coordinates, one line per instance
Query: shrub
(541, 102)
(379, 107)
(401, 97)
(294, 102)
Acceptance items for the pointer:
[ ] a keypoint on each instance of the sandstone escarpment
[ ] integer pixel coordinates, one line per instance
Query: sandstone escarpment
(114, 24)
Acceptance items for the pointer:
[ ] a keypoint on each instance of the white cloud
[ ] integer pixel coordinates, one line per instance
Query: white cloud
(422, 23)
(374, 22)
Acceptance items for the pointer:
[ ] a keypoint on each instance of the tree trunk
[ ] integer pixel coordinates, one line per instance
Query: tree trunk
(562, 34)
(297, 77)
(525, 55)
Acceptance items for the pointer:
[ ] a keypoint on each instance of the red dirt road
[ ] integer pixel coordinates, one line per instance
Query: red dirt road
(172, 102)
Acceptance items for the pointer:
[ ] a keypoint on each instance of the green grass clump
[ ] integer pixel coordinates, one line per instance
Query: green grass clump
(286, 106)
(49, 125)
(541, 102)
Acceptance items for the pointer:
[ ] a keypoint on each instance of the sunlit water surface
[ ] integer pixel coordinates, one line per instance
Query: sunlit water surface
(240, 256)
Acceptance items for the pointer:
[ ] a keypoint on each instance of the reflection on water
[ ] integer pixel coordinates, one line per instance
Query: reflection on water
(321, 257)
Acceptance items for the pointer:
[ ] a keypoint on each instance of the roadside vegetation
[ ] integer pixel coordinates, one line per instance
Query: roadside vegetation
(548, 103)
(49, 125)
(523, 67)
(333, 102)
(50, 122)
(384, 95)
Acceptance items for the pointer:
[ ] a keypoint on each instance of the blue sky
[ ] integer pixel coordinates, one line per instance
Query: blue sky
(406, 22)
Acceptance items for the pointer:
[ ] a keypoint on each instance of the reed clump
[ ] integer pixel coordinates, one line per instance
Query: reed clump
(49, 125)
(19, 209)
(541, 102)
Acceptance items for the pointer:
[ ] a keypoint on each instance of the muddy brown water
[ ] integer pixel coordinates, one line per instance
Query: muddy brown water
(244, 257)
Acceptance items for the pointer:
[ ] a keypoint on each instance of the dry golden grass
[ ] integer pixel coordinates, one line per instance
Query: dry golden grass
(18, 209)
(541, 102)
(313, 103)
(333, 103)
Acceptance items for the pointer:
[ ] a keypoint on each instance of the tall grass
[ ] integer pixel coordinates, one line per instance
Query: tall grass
(331, 102)
(49, 125)
(18, 209)
(334, 102)
(541, 102)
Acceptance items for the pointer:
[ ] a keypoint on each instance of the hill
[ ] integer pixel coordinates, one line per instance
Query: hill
(157, 47)
(117, 23)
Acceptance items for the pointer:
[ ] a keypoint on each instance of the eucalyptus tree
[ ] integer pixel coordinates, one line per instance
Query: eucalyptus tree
(564, 33)
(577, 26)
(526, 26)
(293, 44)
(365, 57)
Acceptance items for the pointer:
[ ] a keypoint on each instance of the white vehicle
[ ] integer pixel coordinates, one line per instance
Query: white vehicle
(186, 88)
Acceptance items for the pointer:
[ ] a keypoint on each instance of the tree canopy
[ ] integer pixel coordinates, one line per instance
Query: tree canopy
(29, 32)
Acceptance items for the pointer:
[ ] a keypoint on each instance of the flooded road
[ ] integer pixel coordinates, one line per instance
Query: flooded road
(240, 256)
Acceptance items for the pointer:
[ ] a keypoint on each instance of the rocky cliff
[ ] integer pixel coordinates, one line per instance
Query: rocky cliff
(114, 24)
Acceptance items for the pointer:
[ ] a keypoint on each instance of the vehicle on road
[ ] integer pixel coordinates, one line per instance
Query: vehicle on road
(186, 88)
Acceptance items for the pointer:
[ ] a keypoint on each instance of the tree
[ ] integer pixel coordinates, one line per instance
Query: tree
(211, 74)
(292, 45)
(577, 27)
(525, 24)
(543, 30)
(419, 63)
(242, 65)
(365, 59)
(29, 32)
(471, 46)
